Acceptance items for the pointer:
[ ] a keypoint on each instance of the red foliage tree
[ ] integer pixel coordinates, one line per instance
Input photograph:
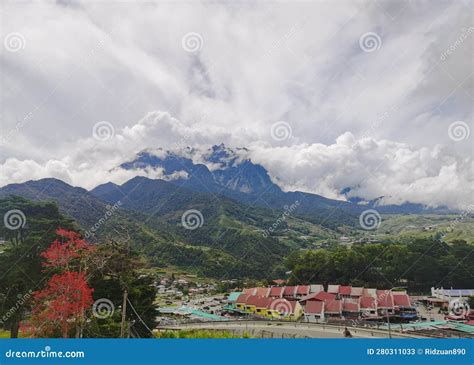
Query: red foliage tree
(61, 304)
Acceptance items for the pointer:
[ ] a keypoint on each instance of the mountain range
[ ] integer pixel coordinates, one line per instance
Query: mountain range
(248, 224)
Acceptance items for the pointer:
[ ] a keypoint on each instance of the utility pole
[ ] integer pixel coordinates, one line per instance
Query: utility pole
(124, 312)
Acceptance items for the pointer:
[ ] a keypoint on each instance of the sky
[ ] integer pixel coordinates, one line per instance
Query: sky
(373, 95)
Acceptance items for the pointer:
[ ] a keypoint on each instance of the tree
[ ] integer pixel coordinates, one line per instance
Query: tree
(60, 306)
(20, 260)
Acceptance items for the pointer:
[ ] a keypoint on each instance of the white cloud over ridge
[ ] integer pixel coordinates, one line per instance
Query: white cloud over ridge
(371, 168)
(373, 121)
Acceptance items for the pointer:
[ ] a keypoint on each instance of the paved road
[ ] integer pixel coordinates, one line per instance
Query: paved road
(279, 330)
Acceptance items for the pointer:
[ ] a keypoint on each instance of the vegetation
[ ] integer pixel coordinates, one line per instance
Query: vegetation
(49, 274)
(418, 265)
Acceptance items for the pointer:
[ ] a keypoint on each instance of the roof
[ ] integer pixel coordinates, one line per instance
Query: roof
(275, 291)
(325, 296)
(333, 289)
(348, 306)
(357, 291)
(282, 305)
(315, 288)
(252, 300)
(368, 302)
(263, 302)
(314, 306)
(402, 300)
(302, 289)
(333, 306)
(233, 296)
(289, 291)
(384, 299)
(261, 292)
(345, 290)
(249, 291)
(242, 298)
(279, 281)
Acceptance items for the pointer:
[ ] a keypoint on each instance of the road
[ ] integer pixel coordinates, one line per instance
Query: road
(287, 330)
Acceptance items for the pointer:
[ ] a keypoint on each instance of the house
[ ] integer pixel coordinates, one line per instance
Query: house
(241, 301)
(301, 290)
(344, 291)
(232, 298)
(333, 307)
(321, 296)
(350, 308)
(261, 292)
(368, 306)
(262, 304)
(276, 292)
(314, 311)
(285, 309)
(249, 291)
(385, 304)
(289, 292)
(279, 282)
(403, 308)
(251, 304)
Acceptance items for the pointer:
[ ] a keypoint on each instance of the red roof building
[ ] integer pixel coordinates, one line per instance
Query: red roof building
(344, 291)
(321, 296)
(368, 303)
(279, 281)
(302, 290)
(333, 307)
(276, 292)
(384, 299)
(401, 300)
(349, 306)
(249, 291)
(289, 291)
(314, 307)
(262, 292)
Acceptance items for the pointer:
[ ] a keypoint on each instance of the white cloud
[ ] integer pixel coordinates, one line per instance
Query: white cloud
(85, 62)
